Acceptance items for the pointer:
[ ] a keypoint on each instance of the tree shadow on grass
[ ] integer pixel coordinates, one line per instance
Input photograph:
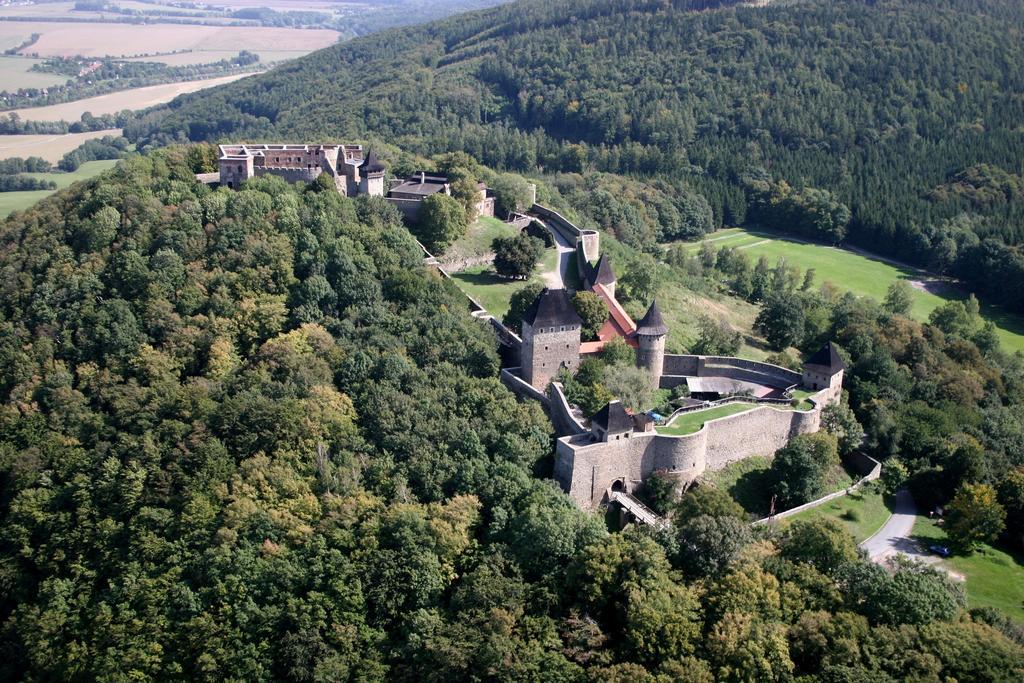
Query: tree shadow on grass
(752, 490)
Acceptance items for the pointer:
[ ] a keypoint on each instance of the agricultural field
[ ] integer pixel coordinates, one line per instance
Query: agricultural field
(137, 98)
(19, 201)
(49, 147)
(993, 576)
(862, 274)
(133, 40)
(15, 72)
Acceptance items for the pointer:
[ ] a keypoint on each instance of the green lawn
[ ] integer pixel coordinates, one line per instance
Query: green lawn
(494, 292)
(862, 512)
(15, 73)
(477, 240)
(747, 482)
(688, 423)
(19, 201)
(860, 274)
(995, 576)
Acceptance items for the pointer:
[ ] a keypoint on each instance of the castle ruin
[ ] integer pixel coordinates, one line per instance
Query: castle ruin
(352, 174)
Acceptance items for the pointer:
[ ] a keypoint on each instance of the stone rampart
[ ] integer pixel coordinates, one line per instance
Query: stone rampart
(565, 423)
(289, 174)
(587, 469)
(510, 378)
(409, 208)
(587, 240)
(731, 368)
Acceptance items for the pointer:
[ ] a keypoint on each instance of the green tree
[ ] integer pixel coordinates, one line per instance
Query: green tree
(592, 310)
(799, 469)
(716, 338)
(618, 352)
(707, 545)
(440, 221)
(1011, 497)
(823, 543)
(511, 193)
(517, 256)
(781, 320)
(521, 300)
(709, 501)
(838, 419)
(899, 298)
(974, 517)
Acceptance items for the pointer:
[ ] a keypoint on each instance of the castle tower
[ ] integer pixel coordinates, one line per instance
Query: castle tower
(372, 176)
(650, 336)
(551, 338)
(824, 370)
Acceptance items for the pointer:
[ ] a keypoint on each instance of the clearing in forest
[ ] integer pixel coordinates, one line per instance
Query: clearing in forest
(862, 274)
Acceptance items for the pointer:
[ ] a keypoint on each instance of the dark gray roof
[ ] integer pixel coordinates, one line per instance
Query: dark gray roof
(427, 188)
(552, 307)
(613, 418)
(602, 273)
(827, 357)
(371, 164)
(652, 323)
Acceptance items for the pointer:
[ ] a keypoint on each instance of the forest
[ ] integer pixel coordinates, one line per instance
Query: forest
(247, 435)
(885, 106)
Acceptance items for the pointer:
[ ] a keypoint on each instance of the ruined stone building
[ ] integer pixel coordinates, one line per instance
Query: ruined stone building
(352, 174)
(407, 195)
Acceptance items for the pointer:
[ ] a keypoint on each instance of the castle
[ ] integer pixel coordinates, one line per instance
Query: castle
(618, 451)
(352, 174)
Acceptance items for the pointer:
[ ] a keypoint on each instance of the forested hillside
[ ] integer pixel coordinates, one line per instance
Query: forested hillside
(906, 111)
(245, 436)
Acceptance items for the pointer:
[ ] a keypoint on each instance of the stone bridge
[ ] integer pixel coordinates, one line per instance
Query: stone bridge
(641, 513)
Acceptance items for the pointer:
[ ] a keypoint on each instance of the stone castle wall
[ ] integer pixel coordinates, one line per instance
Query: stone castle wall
(561, 415)
(587, 469)
(590, 240)
(291, 175)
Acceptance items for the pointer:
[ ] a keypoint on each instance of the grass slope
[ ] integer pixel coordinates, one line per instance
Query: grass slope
(494, 292)
(19, 201)
(863, 275)
(688, 423)
(862, 512)
(994, 576)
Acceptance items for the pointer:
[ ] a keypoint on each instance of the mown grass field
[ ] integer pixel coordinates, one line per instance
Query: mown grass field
(862, 275)
(19, 201)
(994, 576)
(477, 240)
(494, 292)
(862, 512)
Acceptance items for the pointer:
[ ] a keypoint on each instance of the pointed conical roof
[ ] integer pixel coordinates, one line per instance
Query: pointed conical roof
(602, 273)
(827, 357)
(552, 307)
(652, 323)
(371, 163)
(613, 418)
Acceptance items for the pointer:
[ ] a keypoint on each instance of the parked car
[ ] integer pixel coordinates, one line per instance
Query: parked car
(940, 550)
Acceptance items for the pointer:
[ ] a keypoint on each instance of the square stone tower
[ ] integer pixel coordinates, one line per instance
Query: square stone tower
(551, 338)
(824, 370)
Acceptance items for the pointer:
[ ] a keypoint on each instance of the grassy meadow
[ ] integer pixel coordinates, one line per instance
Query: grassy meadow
(861, 274)
(15, 73)
(994, 576)
(19, 201)
(862, 512)
(49, 147)
(494, 292)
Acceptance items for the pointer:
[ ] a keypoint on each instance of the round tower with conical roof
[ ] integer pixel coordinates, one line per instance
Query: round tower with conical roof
(650, 336)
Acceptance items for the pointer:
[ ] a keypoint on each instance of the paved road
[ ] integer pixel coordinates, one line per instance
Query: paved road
(895, 535)
(556, 279)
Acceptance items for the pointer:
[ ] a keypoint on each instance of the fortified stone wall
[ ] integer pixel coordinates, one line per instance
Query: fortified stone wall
(731, 368)
(590, 240)
(587, 469)
(564, 421)
(408, 207)
(291, 175)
